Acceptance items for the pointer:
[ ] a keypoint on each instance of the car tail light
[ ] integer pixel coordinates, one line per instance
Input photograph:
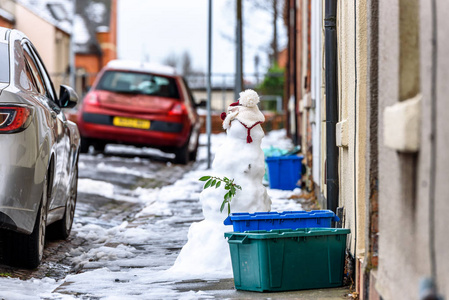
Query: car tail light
(177, 110)
(14, 118)
(92, 99)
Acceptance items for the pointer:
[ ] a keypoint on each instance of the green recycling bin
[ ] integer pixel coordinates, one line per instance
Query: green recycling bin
(286, 259)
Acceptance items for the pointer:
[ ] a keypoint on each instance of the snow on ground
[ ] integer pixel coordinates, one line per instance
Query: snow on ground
(137, 150)
(117, 266)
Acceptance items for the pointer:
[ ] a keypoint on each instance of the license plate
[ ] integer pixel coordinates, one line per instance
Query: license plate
(131, 122)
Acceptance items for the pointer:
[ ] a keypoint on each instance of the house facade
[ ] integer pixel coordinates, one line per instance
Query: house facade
(51, 39)
(372, 123)
(95, 42)
(64, 33)
(48, 26)
(7, 13)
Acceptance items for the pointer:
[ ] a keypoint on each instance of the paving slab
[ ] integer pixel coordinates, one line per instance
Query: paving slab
(224, 289)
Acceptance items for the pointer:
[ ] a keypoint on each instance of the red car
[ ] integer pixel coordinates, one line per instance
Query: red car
(143, 105)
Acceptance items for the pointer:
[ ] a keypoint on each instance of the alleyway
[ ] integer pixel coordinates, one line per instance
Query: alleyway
(132, 218)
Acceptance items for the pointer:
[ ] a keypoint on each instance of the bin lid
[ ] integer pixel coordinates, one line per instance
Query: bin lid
(273, 215)
(288, 233)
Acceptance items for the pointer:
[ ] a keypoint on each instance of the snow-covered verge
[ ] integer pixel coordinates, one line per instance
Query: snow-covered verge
(130, 260)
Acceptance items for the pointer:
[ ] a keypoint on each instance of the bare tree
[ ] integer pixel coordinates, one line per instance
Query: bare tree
(273, 7)
(186, 64)
(171, 60)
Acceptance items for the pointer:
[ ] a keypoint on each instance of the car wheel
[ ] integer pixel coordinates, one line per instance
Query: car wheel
(25, 250)
(61, 229)
(84, 147)
(99, 146)
(182, 154)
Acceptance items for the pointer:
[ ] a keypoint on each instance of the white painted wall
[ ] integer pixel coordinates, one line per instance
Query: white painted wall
(316, 86)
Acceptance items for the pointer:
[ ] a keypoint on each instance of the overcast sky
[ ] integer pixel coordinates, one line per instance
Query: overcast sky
(155, 29)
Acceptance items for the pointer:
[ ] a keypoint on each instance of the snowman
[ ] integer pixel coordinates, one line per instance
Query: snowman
(240, 158)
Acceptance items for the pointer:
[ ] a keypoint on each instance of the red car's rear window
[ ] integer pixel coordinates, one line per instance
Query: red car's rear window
(138, 83)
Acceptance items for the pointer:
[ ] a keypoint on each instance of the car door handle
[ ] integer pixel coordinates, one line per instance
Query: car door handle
(53, 115)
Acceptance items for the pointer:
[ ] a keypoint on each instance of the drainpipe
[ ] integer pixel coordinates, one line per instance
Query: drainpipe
(295, 73)
(287, 86)
(330, 25)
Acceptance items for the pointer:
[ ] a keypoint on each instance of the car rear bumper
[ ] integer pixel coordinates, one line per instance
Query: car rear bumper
(161, 134)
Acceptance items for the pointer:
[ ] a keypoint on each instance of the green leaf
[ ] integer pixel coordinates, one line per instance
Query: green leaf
(229, 209)
(226, 179)
(208, 184)
(222, 205)
(213, 182)
(218, 184)
(227, 187)
(204, 178)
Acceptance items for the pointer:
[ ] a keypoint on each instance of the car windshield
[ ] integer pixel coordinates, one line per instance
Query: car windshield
(138, 83)
(4, 63)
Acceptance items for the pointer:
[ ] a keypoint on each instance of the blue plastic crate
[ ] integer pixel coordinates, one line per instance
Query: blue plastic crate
(284, 171)
(281, 220)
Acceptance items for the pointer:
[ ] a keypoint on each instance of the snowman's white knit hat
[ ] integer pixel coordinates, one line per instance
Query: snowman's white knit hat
(245, 111)
(249, 98)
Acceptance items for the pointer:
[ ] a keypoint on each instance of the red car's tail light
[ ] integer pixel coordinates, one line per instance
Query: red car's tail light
(92, 99)
(14, 118)
(177, 110)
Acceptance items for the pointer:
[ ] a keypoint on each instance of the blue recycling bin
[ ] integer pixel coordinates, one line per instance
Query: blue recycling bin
(284, 172)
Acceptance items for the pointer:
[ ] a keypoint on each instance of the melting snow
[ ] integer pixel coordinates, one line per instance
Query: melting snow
(117, 266)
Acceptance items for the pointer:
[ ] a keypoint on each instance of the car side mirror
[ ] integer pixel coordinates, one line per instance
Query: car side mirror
(202, 104)
(67, 97)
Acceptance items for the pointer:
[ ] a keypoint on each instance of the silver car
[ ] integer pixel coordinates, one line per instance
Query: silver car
(38, 154)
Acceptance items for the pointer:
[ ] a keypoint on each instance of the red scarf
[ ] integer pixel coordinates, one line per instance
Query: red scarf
(248, 137)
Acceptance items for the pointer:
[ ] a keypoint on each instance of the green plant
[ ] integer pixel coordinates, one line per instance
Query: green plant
(229, 185)
(273, 83)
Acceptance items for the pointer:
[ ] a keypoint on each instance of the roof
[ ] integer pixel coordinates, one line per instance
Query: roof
(89, 17)
(56, 12)
(92, 16)
(130, 65)
(6, 15)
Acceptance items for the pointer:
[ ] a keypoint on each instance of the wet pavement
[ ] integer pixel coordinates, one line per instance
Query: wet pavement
(125, 171)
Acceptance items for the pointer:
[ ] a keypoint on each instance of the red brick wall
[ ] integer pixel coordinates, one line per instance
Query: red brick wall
(91, 63)
(5, 23)
(108, 40)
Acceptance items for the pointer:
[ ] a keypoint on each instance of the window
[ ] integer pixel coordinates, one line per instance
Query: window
(27, 80)
(138, 83)
(48, 84)
(192, 98)
(4, 62)
(36, 78)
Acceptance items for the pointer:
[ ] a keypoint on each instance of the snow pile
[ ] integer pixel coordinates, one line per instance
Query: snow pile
(16, 289)
(241, 158)
(101, 188)
(278, 139)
